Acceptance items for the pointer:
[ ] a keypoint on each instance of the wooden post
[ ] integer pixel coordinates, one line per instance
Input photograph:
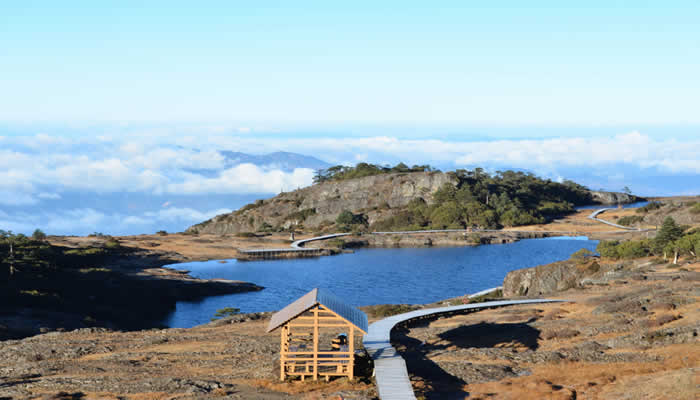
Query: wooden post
(284, 341)
(315, 362)
(351, 347)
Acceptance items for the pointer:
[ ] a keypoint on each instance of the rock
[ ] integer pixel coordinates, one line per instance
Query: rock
(602, 197)
(548, 278)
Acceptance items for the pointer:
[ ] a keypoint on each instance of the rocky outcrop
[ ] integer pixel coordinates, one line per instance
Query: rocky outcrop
(550, 278)
(602, 197)
(318, 205)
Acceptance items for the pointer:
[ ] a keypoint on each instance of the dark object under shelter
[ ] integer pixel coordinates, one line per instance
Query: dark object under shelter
(301, 351)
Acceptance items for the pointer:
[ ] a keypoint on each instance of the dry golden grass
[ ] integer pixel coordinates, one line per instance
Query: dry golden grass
(309, 387)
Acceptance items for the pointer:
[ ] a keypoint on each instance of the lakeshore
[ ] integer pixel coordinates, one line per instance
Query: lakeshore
(593, 346)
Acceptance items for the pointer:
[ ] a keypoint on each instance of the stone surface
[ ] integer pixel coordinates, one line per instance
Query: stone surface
(376, 195)
(603, 197)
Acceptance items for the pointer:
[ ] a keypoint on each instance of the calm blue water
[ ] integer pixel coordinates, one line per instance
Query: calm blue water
(373, 276)
(597, 206)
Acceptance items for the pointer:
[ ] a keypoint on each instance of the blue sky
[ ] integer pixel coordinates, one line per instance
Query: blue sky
(109, 109)
(498, 62)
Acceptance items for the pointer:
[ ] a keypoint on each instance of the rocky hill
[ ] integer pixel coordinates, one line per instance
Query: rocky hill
(390, 200)
(320, 204)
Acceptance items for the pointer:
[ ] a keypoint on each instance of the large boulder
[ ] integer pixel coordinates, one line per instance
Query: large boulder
(549, 278)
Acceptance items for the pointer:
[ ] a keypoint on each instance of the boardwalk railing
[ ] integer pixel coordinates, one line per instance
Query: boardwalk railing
(390, 370)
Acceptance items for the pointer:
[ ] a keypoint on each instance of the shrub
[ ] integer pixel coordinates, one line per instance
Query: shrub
(225, 312)
(582, 254)
(162, 233)
(245, 234)
(633, 249)
(112, 244)
(630, 220)
(265, 227)
(629, 249)
(654, 205)
(607, 248)
(346, 219)
(695, 208)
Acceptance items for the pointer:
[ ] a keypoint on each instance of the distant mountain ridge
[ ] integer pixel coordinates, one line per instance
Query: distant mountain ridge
(279, 160)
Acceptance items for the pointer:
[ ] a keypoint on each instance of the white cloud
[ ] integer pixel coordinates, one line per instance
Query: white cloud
(244, 178)
(184, 214)
(35, 168)
(632, 148)
(83, 221)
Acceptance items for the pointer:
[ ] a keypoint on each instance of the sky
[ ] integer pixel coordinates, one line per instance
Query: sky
(113, 114)
(496, 62)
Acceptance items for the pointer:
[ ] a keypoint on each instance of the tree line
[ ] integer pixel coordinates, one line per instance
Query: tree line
(361, 170)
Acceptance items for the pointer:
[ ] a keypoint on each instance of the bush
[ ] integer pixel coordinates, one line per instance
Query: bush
(607, 248)
(582, 255)
(695, 208)
(225, 312)
(654, 205)
(629, 249)
(112, 244)
(633, 249)
(265, 227)
(630, 220)
(346, 219)
(246, 234)
(39, 235)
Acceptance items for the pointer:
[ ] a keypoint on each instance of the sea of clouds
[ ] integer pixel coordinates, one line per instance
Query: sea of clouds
(140, 181)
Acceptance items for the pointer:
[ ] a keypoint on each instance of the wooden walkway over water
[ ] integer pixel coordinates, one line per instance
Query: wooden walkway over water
(264, 254)
(390, 370)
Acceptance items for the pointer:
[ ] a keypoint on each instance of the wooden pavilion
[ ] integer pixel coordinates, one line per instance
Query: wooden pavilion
(302, 352)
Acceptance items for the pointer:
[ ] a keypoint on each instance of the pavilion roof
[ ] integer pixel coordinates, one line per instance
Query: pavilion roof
(311, 299)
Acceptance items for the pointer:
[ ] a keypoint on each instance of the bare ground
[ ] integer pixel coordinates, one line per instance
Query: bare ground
(635, 337)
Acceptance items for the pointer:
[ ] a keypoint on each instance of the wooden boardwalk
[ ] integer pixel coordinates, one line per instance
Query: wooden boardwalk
(390, 370)
(300, 243)
(263, 254)
(594, 216)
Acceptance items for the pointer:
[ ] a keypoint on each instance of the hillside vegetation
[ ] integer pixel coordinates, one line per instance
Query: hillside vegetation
(371, 197)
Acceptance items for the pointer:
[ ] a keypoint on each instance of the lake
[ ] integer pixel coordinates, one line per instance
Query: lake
(372, 276)
(637, 204)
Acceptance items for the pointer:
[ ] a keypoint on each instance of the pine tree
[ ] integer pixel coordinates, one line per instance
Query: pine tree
(668, 233)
